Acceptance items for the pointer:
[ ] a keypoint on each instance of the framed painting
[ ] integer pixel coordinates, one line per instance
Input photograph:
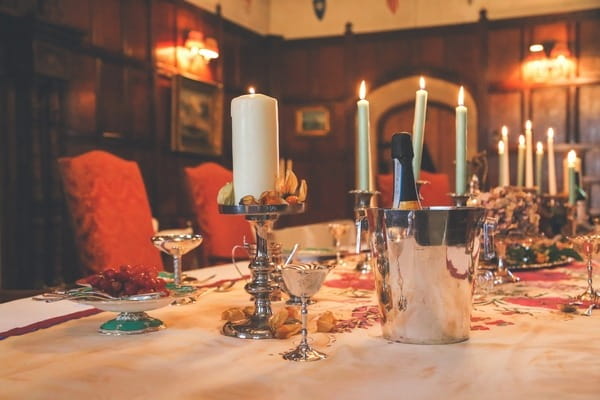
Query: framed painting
(197, 116)
(312, 121)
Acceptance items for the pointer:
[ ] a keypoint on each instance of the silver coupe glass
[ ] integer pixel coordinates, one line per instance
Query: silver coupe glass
(588, 245)
(176, 246)
(304, 281)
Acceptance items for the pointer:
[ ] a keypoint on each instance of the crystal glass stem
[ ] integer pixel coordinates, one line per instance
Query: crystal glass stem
(304, 314)
(590, 289)
(177, 269)
(338, 253)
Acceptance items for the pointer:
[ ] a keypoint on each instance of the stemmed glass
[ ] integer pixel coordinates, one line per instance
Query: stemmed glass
(338, 230)
(304, 281)
(588, 245)
(176, 246)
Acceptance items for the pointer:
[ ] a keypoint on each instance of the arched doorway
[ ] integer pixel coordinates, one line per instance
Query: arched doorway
(392, 110)
(439, 141)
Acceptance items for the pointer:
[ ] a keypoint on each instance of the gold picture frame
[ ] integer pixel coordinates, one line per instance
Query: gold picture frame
(313, 121)
(197, 116)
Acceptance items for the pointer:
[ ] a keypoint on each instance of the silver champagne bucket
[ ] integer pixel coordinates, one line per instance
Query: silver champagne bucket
(425, 266)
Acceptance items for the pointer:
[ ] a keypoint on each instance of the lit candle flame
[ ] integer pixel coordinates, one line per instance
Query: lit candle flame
(500, 147)
(522, 141)
(422, 83)
(539, 148)
(571, 158)
(251, 90)
(362, 92)
(504, 132)
(528, 125)
(461, 96)
(550, 133)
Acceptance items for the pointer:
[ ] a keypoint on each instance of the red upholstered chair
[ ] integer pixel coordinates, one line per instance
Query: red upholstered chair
(433, 194)
(221, 232)
(110, 211)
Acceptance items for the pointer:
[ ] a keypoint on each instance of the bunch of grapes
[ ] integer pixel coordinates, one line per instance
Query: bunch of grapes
(128, 280)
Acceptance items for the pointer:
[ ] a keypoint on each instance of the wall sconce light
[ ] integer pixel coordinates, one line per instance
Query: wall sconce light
(547, 61)
(205, 49)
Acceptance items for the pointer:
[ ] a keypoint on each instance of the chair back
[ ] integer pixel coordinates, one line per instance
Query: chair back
(435, 193)
(110, 212)
(220, 232)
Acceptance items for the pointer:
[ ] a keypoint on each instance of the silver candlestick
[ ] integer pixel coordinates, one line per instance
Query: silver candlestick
(362, 201)
(261, 267)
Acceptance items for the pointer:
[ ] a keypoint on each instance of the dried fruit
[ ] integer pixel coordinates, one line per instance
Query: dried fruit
(292, 199)
(291, 182)
(326, 322)
(248, 200)
(233, 315)
(225, 195)
(287, 330)
(302, 191)
(280, 184)
(271, 197)
(278, 319)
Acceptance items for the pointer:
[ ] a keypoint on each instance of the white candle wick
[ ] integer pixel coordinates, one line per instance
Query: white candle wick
(251, 90)
(521, 141)
(461, 96)
(528, 125)
(422, 83)
(539, 148)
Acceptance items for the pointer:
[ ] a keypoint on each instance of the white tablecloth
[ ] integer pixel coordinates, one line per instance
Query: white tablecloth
(515, 352)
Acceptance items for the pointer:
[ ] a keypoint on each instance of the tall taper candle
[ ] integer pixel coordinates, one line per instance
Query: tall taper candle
(571, 159)
(505, 158)
(528, 155)
(501, 177)
(539, 157)
(461, 144)
(419, 127)
(363, 146)
(551, 163)
(521, 160)
(255, 144)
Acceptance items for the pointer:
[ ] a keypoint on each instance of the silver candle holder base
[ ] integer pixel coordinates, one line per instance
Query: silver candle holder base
(261, 286)
(362, 201)
(460, 200)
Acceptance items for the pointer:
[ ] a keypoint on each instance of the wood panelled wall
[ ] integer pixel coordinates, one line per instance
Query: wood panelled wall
(77, 75)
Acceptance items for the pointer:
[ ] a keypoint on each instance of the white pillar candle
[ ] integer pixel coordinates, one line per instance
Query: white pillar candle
(551, 163)
(571, 160)
(501, 177)
(419, 127)
(505, 158)
(528, 155)
(255, 144)
(539, 157)
(461, 144)
(521, 160)
(363, 146)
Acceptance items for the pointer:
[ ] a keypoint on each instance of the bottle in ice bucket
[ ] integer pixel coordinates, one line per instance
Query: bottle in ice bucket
(405, 189)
